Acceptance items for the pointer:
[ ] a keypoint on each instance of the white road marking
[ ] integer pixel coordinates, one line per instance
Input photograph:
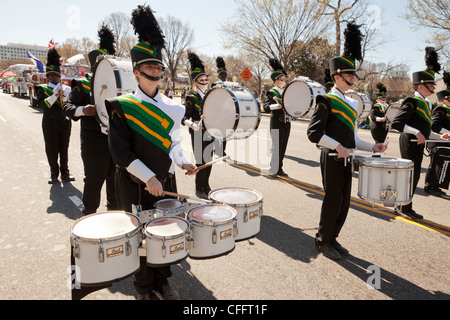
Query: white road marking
(77, 201)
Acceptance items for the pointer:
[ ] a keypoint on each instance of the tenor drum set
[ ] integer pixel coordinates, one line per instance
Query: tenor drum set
(107, 246)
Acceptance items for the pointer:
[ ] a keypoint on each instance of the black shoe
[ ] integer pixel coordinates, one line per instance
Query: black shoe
(147, 296)
(52, 180)
(67, 178)
(328, 250)
(439, 191)
(167, 293)
(282, 173)
(412, 214)
(201, 194)
(340, 249)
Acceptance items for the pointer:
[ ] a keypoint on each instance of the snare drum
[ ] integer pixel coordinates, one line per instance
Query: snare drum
(105, 247)
(364, 103)
(166, 241)
(386, 181)
(113, 77)
(214, 228)
(392, 110)
(299, 97)
(231, 113)
(248, 204)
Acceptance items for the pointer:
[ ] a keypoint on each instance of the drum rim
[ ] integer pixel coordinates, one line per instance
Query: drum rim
(259, 194)
(310, 104)
(152, 236)
(96, 241)
(369, 162)
(181, 208)
(196, 222)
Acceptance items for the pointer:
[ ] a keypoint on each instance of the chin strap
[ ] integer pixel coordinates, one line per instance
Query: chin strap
(429, 90)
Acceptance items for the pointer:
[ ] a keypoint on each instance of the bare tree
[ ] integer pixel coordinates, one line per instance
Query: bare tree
(268, 28)
(179, 37)
(119, 23)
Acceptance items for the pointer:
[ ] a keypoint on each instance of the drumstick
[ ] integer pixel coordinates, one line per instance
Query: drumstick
(437, 141)
(211, 163)
(201, 120)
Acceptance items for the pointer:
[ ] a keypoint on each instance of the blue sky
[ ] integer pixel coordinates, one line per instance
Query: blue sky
(36, 22)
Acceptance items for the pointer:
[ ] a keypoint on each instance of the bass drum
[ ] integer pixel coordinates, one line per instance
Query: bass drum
(392, 110)
(364, 103)
(231, 113)
(299, 97)
(112, 77)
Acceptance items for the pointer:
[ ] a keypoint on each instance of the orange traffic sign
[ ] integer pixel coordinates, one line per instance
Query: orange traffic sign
(246, 74)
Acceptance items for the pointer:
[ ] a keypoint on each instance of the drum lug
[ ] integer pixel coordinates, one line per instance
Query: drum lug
(128, 248)
(235, 229)
(214, 236)
(164, 249)
(76, 251)
(101, 254)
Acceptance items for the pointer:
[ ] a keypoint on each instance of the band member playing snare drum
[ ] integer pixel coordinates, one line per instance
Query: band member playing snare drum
(144, 138)
(333, 127)
(413, 120)
(378, 127)
(280, 125)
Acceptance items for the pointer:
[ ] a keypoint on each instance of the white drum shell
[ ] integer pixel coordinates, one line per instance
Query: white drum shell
(231, 113)
(120, 256)
(299, 97)
(165, 251)
(379, 176)
(203, 235)
(248, 214)
(392, 110)
(364, 103)
(113, 77)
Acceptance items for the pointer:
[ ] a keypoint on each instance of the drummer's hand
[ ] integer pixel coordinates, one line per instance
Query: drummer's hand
(421, 138)
(190, 168)
(195, 127)
(342, 152)
(445, 136)
(154, 187)
(383, 119)
(380, 147)
(89, 110)
(280, 107)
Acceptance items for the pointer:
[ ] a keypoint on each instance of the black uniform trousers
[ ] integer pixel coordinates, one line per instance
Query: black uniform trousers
(337, 183)
(414, 152)
(128, 193)
(379, 132)
(203, 148)
(279, 133)
(57, 137)
(98, 168)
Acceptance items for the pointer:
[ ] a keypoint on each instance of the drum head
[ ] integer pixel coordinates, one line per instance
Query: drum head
(390, 163)
(219, 109)
(106, 226)
(166, 227)
(168, 204)
(103, 87)
(297, 99)
(392, 110)
(212, 214)
(235, 196)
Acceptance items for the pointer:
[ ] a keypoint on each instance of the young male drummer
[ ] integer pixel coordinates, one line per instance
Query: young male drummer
(333, 127)
(440, 124)
(144, 131)
(98, 164)
(378, 127)
(56, 127)
(280, 125)
(199, 138)
(413, 120)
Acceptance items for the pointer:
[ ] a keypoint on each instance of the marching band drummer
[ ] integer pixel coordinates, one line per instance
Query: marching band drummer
(378, 127)
(144, 139)
(199, 138)
(333, 127)
(280, 125)
(413, 120)
(56, 127)
(98, 164)
(440, 124)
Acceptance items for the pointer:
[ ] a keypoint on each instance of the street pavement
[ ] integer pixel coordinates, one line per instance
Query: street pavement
(392, 257)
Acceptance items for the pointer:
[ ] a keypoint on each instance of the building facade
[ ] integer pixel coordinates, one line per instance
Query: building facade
(15, 51)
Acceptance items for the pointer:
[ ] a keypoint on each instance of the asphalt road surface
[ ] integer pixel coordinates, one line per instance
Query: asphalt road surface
(392, 257)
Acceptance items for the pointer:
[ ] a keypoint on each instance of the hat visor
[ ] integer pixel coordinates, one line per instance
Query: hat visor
(154, 63)
(353, 73)
(52, 72)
